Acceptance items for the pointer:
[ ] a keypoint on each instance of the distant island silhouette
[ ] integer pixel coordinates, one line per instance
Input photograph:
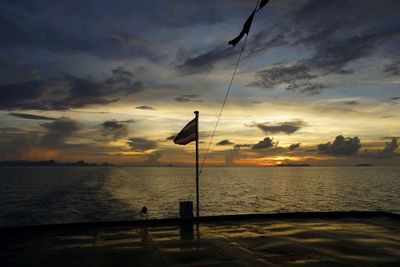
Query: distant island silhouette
(364, 165)
(80, 163)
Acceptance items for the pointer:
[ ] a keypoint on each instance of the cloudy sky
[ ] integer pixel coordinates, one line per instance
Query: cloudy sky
(116, 80)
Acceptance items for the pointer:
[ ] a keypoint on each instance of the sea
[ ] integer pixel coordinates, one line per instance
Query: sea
(54, 195)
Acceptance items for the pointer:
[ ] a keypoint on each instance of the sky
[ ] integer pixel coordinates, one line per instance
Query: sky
(115, 81)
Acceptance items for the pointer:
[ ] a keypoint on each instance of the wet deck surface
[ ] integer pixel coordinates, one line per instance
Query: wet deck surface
(288, 242)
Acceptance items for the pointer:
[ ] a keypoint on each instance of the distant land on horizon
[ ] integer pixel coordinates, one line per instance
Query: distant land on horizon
(82, 163)
(53, 163)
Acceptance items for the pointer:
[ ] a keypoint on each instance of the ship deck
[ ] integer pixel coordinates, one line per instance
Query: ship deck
(299, 239)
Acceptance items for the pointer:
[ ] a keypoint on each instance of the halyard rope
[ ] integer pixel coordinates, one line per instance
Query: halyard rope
(226, 97)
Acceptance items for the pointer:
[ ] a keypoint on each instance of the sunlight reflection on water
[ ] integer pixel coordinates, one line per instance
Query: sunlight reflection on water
(75, 194)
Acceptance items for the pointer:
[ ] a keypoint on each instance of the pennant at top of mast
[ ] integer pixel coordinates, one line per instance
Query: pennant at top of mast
(247, 24)
(262, 4)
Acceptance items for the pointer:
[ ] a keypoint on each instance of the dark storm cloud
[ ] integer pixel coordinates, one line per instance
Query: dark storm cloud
(296, 77)
(15, 70)
(188, 98)
(110, 30)
(338, 40)
(310, 88)
(224, 142)
(205, 62)
(332, 40)
(264, 144)
(71, 28)
(351, 102)
(120, 71)
(178, 15)
(389, 137)
(293, 147)
(120, 30)
(129, 121)
(341, 146)
(333, 56)
(65, 92)
(141, 144)
(31, 116)
(266, 40)
(269, 78)
(388, 151)
(392, 69)
(113, 124)
(390, 148)
(288, 127)
(62, 125)
(242, 145)
(114, 129)
(322, 17)
(145, 108)
(58, 132)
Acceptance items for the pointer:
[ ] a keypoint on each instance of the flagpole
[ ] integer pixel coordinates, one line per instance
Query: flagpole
(197, 164)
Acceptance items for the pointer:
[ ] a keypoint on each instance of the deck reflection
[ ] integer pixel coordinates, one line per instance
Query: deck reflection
(262, 242)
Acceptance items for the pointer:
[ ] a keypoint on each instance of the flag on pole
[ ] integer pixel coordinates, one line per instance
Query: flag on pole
(247, 24)
(187, 134)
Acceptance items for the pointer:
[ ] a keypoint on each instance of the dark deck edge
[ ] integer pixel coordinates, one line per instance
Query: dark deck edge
(213, 219)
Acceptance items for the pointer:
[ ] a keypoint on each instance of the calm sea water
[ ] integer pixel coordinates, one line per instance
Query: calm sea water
(44, 195)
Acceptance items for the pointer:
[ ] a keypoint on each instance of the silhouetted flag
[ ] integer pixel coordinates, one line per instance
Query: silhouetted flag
(262, 4)
(187, 134)
(247, 24)
(245, 30)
